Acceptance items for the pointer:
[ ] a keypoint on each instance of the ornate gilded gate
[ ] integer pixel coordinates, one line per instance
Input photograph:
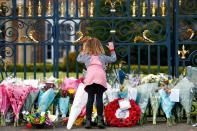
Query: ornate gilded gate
(38, 35)
(185, 25)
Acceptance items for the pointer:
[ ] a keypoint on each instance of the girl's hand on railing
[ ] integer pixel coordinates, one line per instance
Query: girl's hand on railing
(110, 45)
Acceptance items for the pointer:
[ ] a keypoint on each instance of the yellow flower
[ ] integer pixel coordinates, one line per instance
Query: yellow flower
(71, 91)
(170, 81)
(94, 109)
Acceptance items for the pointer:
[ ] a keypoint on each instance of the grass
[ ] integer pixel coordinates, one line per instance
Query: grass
(40, 75)
(143, 68)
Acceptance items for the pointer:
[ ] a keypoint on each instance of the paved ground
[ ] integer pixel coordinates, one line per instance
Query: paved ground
(146, 127)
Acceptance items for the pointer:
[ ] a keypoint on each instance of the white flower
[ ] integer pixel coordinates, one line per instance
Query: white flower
(42, 113)
(48, 112)
(23, 112)
(52, 117)
(28, 119)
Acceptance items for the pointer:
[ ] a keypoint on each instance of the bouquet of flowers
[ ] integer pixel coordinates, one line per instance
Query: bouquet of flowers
(38, 120)
(17, 94)
(63, 102)
(78, 105)
(4, 104)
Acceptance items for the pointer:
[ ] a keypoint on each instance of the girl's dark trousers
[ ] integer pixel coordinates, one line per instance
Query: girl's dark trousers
(92, 90)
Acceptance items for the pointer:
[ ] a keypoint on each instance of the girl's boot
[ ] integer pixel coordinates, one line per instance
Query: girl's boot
(100, 122)
(88, 124)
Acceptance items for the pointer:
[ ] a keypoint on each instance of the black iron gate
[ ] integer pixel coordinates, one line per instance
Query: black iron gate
(37, 35)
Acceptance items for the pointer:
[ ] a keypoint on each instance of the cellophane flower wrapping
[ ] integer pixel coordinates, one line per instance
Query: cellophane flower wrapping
(29, 102)
(79, 102)
(112, 94)
(166, 103)
(143, 94)
(186, 93)
(155, 103)
(131, 85)
(17, 94)
(191, 74)
(80, 119)
(4, 103)
(64, 105)
(71, 83)
(45, 99)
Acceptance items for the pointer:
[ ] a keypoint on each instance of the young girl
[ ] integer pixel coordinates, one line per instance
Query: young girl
(94, 57)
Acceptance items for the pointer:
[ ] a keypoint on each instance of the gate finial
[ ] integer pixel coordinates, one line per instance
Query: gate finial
(183, 52)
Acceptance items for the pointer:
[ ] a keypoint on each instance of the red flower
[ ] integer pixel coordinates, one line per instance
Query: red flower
(37, 120)
(28, 125)
(65, 120)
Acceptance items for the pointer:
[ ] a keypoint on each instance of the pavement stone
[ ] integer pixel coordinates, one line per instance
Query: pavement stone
(146, 127)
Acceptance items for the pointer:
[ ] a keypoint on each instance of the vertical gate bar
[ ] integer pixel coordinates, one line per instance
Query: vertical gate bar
(54, 57)
(149, 60)
(14, 8)
(176, 34)
(67, 8)
(15, 60)
(77, 7)
(168, 37)
(24, 57)
(44, 14)
(54, 10)
(139, 8)
(129, 59)
(86, 8)
(149, 8)
(56, 13)
(128, 8)
(34, 61)
(183, 63)
(138, 59)
(44, 60)
(67, 60)
(24, 8)
(55, 42)
(54, 37)
(97, 8)
(35, 9)
(158, 58)
(54, 64)
(58, 34)
(57, 62)
(158, 8)
(14, 16)
(77, 65)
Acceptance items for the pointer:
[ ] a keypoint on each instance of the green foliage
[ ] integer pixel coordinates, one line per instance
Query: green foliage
(71, 63)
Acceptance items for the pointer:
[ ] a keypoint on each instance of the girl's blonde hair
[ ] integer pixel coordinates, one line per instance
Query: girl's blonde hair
(93, 47)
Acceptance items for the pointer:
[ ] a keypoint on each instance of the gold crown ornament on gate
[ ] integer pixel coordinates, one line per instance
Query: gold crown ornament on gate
(113, 4)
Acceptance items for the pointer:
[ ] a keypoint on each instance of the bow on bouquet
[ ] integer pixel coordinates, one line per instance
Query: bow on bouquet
(38, 120)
